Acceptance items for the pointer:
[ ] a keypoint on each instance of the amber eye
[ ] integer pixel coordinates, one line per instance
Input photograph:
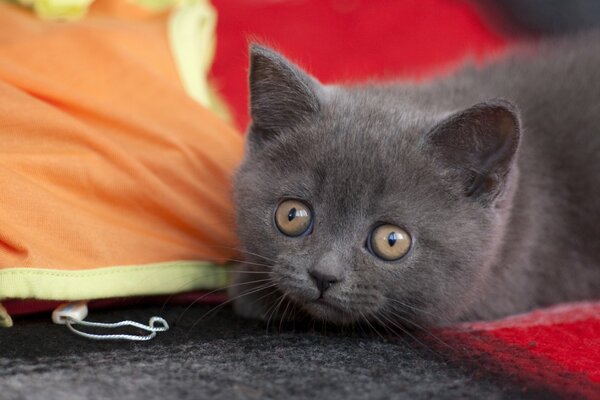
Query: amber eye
(293, 217)
(389, 242)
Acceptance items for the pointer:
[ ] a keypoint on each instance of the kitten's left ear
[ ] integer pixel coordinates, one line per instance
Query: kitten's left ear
(281, 94)
(478, 146)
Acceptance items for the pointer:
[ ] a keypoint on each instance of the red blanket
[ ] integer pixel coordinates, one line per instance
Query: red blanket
(555, 350)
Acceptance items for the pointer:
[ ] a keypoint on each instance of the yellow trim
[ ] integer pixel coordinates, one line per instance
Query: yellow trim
(118, 281)
(191, 31)
(192, 39)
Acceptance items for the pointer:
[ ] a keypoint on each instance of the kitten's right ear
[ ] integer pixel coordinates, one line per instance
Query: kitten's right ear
(281, 94)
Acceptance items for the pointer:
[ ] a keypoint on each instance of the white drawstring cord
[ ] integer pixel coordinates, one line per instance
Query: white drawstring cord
(71, 314)
(119, 336)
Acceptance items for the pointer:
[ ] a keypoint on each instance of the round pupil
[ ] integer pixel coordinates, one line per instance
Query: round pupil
(392, 238)
(292, 214)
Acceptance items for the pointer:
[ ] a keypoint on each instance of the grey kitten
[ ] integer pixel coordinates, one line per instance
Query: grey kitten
(469, 197)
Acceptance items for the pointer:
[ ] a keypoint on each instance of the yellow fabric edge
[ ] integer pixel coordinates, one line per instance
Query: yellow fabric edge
(107, 282)
(191, 30)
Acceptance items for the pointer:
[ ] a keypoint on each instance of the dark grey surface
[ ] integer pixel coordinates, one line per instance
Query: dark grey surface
(542, 17)
(224, 357)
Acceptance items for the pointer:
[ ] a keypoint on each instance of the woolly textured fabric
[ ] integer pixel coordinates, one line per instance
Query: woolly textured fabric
(220, 356)
(556, 348)
(224, 357)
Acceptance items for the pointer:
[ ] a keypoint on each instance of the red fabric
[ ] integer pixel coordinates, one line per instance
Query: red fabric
(557, 349)
(348, 40)
(567, 335)
(17, 308)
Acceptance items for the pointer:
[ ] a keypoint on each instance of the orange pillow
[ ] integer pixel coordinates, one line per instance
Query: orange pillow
(113, 181)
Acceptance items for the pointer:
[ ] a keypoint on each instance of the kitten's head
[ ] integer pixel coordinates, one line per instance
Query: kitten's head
(366, 206)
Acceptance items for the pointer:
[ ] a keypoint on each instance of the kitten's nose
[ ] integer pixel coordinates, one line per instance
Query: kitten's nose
(323, 281)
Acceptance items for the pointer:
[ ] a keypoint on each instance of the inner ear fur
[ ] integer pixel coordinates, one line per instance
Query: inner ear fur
(479, 145)
(281, 94)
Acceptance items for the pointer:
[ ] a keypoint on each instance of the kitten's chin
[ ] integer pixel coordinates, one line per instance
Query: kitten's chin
(326, 311)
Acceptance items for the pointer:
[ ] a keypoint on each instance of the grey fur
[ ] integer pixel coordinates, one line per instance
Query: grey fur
(494, 171)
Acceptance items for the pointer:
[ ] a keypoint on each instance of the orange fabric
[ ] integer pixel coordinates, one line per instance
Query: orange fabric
(104, 160)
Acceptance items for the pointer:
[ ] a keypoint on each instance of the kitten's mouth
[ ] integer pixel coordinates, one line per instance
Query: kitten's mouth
(326, 310)
(321, 302)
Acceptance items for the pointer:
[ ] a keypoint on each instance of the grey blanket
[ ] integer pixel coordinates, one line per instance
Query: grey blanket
(224, 357)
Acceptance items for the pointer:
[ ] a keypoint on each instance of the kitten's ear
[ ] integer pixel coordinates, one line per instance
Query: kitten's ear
(478, 146)
(281, 94)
